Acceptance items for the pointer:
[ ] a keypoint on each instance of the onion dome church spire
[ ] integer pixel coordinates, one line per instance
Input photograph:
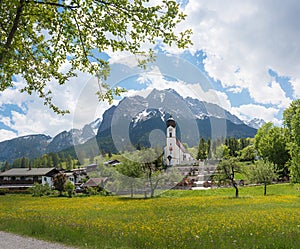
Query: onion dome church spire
(174, 151)
(171, 122)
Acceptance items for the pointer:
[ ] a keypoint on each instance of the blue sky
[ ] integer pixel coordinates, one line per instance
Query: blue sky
(245, 57)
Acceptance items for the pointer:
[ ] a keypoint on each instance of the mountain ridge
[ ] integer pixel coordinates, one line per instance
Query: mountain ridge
(36, 145)
(136, 120)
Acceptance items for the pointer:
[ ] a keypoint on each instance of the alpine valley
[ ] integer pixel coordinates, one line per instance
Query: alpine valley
(137, 121)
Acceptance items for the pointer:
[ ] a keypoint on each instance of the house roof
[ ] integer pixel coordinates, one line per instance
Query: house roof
(112, 162)
(91, 168)
(27, 172)
(94, 182)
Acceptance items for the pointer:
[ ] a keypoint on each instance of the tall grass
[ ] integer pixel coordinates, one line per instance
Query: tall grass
(176, 219)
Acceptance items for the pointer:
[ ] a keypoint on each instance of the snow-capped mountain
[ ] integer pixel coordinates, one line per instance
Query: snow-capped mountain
(135, 118)
(138, 120)
(32, 146)
(255, 123)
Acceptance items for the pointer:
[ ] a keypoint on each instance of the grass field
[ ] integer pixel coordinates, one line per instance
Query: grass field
(176, 219)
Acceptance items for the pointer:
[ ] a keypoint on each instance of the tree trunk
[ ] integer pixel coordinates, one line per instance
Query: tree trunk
(236, 189)
(131, 190)
(151, 188)
(150, 181)
(152, 192)
(265, 189)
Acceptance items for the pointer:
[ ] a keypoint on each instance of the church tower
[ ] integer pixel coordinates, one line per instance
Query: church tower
(171, 147)
(174, 152)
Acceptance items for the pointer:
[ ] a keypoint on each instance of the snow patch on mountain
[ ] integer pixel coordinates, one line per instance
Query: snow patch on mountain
(148, 114)
(95, 125)
(162, 97)
(255, 123)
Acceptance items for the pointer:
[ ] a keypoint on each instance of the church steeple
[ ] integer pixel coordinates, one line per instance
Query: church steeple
(171, 127)
(174, 152)
(171, 122)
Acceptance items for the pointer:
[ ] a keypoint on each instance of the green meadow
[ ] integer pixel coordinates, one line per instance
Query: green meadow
(175, 219)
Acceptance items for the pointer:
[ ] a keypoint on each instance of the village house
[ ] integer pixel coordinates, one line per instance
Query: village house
(113, 162)
(76, 175)
(95, 182)
(20, 178)
(91, 168)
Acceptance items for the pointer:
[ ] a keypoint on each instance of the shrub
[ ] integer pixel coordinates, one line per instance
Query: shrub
(40, 189)
(70, 188)
(3, 191)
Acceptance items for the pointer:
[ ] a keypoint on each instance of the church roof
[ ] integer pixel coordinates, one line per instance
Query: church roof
(181, 146)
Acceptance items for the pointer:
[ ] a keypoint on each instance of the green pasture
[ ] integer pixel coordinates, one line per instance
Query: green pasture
(176, 219)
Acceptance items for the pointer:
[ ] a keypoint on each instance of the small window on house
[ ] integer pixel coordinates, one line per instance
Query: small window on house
(170, 134)
(45, 178)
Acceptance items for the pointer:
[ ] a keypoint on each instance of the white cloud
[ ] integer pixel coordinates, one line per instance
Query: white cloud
(6, 135)
(251, 111)
(5, 120)
(243, 40)
(78, 96)
(156, 80)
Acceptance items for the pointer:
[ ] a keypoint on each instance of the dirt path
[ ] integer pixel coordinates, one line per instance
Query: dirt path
(12, 241)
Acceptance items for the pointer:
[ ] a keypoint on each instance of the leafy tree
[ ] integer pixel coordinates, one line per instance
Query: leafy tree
(69, 163)
(263, 172)
(151, 164)
(46, 161)
(271, 144)
(24, 162)
(247, 154)
(38, 37)
(131, 172)
(209, 148)
(21, 162)
(6, 166)
(152, 167)
(62, 157)
(233, 145)
(261, 132)
(226, 171)
(59, 182)
(91, 155)
(214, 148)
(55, 159)
(291, 117)
(202, 149)
(222, 151)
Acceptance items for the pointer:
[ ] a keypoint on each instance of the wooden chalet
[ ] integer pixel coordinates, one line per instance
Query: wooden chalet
(26, 177)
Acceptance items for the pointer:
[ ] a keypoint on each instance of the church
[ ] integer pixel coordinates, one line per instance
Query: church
(174, 152)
